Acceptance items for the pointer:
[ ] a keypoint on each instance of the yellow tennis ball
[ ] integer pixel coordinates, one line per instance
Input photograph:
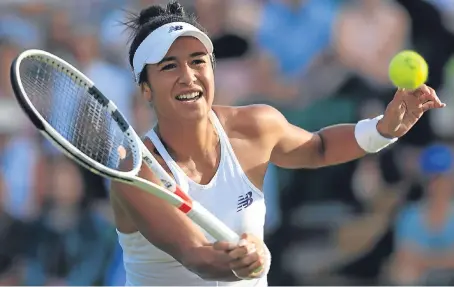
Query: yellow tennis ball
(408, 70)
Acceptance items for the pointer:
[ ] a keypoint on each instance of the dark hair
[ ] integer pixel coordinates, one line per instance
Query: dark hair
(151, 18)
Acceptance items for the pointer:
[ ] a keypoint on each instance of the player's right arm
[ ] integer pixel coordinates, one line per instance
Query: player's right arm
(170, 230)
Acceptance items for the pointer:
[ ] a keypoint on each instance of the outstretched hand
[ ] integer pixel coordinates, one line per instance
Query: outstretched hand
(406, 108)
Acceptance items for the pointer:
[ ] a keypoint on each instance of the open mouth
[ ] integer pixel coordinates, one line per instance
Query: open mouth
(189, 97)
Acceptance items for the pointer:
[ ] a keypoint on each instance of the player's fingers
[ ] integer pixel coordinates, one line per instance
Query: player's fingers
(410, 101)
(244, 239)
(433, 103)
(431, 95)
(407, 97)
(398, 99)
(400, 93)
(438, 102)
(434, 99)
(223, 246)
(251, 270)
(424, 89)
(428, 105)
(238, 253)
(121, 152)
(425, 97)
(244, 261)
(257, 267)
(242, 251)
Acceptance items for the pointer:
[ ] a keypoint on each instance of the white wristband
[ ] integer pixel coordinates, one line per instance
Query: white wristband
(368, 137)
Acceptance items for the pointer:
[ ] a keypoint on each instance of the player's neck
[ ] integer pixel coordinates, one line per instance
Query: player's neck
(189, 139)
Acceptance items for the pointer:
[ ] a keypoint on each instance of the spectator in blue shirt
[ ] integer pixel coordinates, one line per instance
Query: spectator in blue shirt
(425, 230)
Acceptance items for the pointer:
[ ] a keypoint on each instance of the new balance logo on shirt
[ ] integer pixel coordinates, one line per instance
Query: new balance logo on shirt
(244, 201)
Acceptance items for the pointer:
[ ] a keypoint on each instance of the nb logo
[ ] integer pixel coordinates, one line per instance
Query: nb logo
(175, 28)
(244, 201)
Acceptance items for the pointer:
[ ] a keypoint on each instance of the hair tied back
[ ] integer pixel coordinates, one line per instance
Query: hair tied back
(175, 8)
(148, 14)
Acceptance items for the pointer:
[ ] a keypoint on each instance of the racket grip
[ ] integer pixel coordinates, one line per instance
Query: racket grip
(212, 224)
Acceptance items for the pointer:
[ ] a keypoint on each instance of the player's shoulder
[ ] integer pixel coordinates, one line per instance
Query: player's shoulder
(251, 120)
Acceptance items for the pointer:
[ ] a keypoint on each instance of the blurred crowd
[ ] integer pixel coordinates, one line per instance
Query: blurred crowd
(384, 219)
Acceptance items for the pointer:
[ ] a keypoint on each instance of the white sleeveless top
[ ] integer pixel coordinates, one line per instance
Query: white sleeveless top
(229, 195)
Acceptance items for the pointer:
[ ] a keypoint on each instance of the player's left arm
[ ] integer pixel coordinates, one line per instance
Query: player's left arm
(294, 147)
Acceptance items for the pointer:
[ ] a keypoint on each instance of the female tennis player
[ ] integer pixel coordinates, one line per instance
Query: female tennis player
(219, 155)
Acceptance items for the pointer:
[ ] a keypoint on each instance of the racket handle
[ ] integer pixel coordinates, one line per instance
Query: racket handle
(212, 224)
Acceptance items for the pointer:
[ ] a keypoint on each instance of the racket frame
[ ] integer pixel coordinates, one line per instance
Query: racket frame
(47, 130)
(171, 192)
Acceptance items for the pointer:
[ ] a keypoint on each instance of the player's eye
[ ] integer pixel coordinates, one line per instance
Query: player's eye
(198, 62)
(168, 67)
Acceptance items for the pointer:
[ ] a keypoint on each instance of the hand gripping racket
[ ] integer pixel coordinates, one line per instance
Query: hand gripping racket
(68, 109)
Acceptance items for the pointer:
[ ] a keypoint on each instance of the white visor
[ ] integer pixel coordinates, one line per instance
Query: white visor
(155, 46)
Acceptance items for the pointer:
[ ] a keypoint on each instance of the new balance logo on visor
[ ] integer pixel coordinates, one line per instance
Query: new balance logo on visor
(244, 201)
(175, 28)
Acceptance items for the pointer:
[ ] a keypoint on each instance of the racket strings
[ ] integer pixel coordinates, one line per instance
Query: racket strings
(68, 107)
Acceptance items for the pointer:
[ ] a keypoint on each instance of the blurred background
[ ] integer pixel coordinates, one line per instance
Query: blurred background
(386, 219)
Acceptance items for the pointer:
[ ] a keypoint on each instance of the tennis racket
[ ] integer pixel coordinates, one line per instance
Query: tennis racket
(68, 109)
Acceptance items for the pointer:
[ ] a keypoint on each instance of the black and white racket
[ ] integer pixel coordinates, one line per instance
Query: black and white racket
(68, 109)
